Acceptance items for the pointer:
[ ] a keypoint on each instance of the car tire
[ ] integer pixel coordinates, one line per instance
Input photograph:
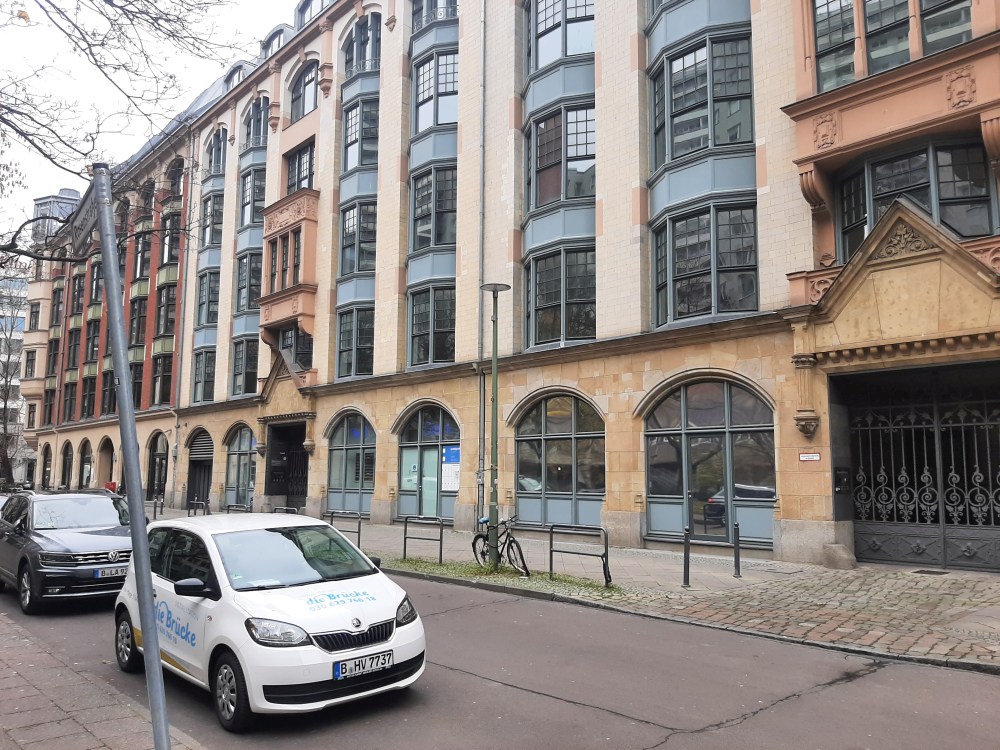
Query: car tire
(126, 653)
(229, 694)
(25, 592)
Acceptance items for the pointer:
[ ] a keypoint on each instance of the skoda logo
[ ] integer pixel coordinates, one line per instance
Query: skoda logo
(112, 557)
(355, 623)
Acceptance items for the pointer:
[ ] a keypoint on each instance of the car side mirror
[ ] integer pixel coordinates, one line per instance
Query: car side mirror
(21, 525)
(195, 587)
(376, 561)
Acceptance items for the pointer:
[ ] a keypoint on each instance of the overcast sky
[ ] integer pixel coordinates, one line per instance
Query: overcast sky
(36, 46)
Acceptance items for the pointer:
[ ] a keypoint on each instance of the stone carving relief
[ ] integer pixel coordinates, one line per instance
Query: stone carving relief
(286, 215)
(902, 241)
(824, 130)
(961, 87)
(819, 287)
(988, 256)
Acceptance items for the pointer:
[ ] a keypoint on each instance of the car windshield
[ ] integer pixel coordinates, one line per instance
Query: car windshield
(78, 512)
(288, 556)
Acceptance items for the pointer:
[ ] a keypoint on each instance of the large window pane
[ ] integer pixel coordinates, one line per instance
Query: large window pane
(663, 454)
(753, 465)
(706, 404)
(590, 465)
(559, 466)
(529, 466)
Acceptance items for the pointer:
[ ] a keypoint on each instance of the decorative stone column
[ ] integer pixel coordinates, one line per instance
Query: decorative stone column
(806, 418)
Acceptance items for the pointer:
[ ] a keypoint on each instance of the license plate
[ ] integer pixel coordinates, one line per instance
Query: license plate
(110, 572)
(362, 665)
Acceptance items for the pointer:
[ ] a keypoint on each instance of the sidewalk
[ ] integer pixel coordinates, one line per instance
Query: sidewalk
(882, 611)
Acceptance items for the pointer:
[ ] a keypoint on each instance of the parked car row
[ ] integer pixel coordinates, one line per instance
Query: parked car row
(270, 613)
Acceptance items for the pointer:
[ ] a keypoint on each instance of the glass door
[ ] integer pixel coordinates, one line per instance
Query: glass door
(706, 486)
(430, 463)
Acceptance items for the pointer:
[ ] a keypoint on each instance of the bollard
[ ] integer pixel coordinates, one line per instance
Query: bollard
(687, 558)
(736, 549)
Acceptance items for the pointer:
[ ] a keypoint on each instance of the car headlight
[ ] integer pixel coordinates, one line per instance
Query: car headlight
(405, 612)
(275, 632)
(55, 558)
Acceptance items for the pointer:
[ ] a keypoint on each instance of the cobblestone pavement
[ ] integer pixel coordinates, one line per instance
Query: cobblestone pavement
(48, 704)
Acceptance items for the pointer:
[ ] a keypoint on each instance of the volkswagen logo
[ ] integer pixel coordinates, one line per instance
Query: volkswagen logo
(355, 623)
(112, 557)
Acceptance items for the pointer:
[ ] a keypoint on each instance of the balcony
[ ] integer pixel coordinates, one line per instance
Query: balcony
(448, 12)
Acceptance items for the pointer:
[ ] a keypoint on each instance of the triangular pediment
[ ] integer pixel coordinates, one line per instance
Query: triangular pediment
(910, 281)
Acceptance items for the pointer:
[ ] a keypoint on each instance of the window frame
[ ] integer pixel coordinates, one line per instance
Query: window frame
(166, 310)
(170, 246)
(109, 393)
(363, 217)
(433, 330)
(436, 86)
(931, 148)
(305, 91)
(34, 316)
(138, 308)
(162, 379)
(96, 294)
(353, 341)
(245, 299)
(212, 218)
(304, 155)
(436, 214)
(255, 124)
(252, 186)
(207, 311)
(30, 363)
(92, 343)
(88, 397)
(360, 143)
(143, 254)
(664, 292)
(531, 285)
(203, 377)
(72, 361)
(244, 381)
(559, 158)
(560, 26)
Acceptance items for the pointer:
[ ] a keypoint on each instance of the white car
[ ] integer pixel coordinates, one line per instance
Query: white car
(271, 614)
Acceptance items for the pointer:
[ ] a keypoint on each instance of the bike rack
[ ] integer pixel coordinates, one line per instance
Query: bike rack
(239, 508)
(329, 515)
(573, 529)
(425, 520)
(285, 509)
(194, 506)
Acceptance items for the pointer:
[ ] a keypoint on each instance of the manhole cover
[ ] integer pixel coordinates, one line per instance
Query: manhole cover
(931, 572)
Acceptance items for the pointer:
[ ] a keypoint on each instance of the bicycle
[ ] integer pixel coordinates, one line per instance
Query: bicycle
(507, 546)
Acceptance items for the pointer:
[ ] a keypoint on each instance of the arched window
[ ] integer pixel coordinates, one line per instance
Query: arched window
(235, 77)
(560, 463)
(307, 11)
(156, 481)
(710, 462)
(256, 123)
(66, 478)
(175, 178)
(216, 152)
(352, 465)
(304, 91)
(363, 46)
(272, 44)
(241, 466)
(429, 460)
(46, 480)
(86, 464)
(146, 196)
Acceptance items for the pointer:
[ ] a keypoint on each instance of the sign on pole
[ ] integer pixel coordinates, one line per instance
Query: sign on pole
(83, 221)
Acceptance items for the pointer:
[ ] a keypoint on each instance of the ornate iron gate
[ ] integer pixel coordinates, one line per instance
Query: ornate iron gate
(925, 452)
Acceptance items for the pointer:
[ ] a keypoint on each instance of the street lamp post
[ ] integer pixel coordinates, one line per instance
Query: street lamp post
(491, 532)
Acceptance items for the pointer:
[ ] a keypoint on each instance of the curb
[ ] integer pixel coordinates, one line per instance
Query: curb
(959, 664)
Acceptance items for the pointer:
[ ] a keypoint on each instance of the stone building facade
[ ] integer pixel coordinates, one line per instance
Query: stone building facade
(751, 248)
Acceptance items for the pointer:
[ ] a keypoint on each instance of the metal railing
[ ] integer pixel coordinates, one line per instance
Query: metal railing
(371, 65)
(437, 14)
(255, 141)
(427, 521)
(686, 582)
(240, 507)
(195, 505)
(329, 515)
(285, 509)
(574, 529)
(213, 170)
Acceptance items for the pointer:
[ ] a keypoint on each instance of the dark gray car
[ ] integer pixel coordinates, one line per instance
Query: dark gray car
(63, 545)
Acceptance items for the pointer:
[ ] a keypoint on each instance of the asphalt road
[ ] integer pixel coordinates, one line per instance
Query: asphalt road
(510, 672)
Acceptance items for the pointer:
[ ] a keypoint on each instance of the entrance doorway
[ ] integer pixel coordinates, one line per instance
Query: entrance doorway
(924, 473)
(287, 464)
(201, 451)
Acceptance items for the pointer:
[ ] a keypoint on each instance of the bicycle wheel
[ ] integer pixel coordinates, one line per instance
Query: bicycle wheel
(516, 557)
(481, 549)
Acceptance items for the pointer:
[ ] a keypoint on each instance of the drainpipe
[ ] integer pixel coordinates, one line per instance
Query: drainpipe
(481, 475)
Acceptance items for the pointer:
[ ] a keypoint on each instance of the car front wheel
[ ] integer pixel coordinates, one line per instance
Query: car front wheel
(25, 595)
(229, 691)
(126, 653)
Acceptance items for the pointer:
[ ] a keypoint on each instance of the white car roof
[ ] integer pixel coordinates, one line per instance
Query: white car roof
(222, 522)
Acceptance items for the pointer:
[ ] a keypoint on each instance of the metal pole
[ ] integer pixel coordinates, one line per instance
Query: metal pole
(130, 456)
(687, 558)
(494, 510)
(736, 549)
